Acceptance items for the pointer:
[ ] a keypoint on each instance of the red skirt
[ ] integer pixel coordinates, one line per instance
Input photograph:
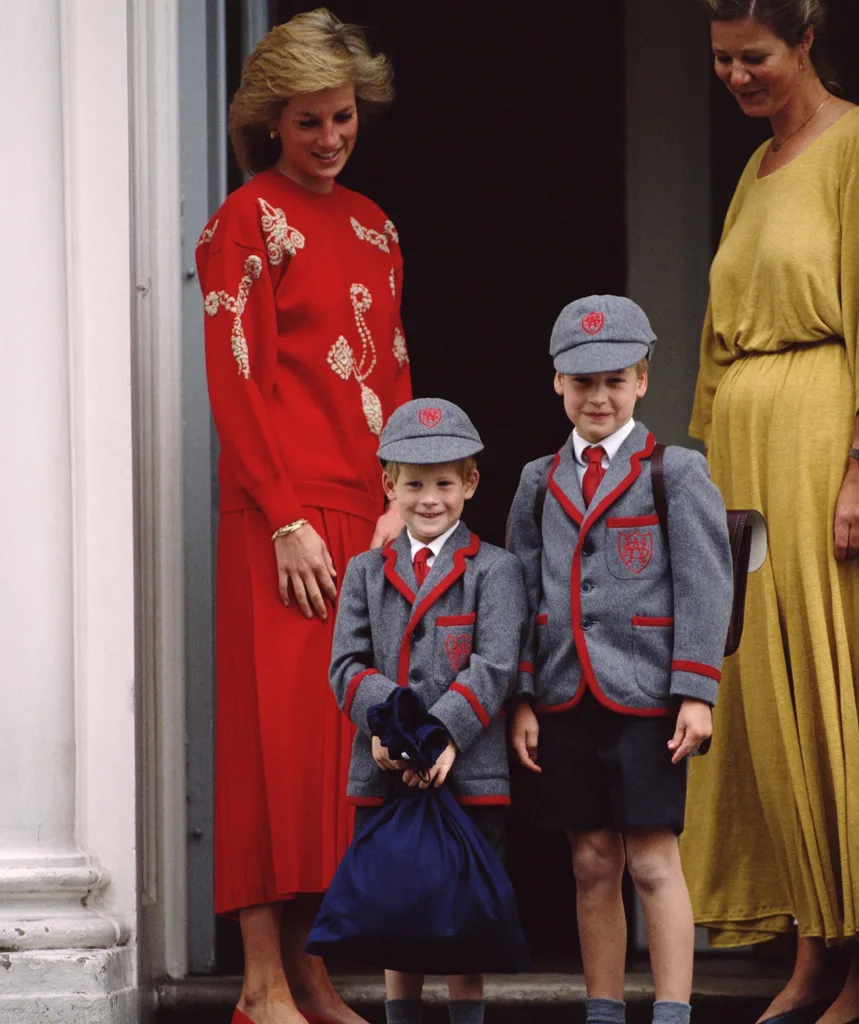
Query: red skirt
(282, 745)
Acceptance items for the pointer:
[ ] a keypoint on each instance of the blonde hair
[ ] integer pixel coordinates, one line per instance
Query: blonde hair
(311, 51)
(642, 366)
(464, 467)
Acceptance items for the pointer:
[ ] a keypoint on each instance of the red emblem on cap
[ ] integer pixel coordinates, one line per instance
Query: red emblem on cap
(593, 323)
(635, 549)
(430, 417)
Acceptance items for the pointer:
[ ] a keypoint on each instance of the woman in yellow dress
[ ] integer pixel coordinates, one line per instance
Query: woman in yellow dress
(772, 838)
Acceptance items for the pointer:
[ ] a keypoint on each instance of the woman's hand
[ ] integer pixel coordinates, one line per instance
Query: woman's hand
(694, 728)
(437, 774)
(305, 567)
(388, 526)
(847, 514)
(383, 758)
(524, 736)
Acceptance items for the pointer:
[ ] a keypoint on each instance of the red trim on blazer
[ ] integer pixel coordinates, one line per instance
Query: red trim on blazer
(527, 666)
(483, 801)
(459, 557)
(476, 706)
(391, 574)
(352, 689)
(456, 620)
(564, 501)
(365, 801)
(542, 619)
(633, 521)
(593, 515)
(650, 620)
(698, 668)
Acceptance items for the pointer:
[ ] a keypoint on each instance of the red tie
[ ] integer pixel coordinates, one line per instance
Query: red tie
(594, 473)
(421, 567)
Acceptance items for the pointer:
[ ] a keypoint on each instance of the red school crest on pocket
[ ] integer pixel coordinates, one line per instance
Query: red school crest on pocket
(430, 417)
(458, 650)
(636, 549)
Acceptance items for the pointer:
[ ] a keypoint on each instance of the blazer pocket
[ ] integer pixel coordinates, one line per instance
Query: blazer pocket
(653, 648)
(634, 547)
(486, 758)
(454, 635)
(362, 767)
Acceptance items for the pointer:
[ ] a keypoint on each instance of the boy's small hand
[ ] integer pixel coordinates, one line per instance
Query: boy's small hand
(524, 736)
(694, 726)
(383, 758)
(437, 774)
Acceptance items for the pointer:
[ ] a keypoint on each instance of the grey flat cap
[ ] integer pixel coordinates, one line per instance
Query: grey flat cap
(428, 430)
(600, 333)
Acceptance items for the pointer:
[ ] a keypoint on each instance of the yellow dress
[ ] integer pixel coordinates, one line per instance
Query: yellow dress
(772, 826)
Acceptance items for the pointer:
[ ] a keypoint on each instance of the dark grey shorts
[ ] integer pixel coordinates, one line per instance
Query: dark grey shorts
(605, 770)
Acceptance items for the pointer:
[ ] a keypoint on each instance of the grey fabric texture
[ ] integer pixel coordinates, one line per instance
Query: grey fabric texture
(600, 333)
(466, 1011)
(605, 1011)
(642, 622)
(426, 431)
(404, 1011)
(665, 1012)
(455, 641)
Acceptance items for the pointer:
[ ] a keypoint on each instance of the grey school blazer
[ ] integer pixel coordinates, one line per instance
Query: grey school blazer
(455, 641)
(613, 609)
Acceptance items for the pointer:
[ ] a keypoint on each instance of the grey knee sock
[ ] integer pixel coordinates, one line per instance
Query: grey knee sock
(671, 1013)
(404, 1011)
(606, 1011)
(465, 1011)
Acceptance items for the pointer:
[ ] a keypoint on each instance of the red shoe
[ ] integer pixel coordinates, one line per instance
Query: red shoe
(240, 1018)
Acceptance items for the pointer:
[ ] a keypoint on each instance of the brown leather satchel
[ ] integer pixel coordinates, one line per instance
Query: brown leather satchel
(739, 534)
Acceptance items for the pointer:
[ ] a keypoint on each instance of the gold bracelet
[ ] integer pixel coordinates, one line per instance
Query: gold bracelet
(289, 528)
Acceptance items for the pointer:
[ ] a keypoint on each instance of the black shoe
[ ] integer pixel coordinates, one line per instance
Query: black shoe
(808, 1014)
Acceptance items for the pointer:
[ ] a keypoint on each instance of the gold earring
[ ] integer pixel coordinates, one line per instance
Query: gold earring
(272, 134)
(802, 63)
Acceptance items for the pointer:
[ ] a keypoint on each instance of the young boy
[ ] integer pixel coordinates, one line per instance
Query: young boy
(627, 643)
(439, 612)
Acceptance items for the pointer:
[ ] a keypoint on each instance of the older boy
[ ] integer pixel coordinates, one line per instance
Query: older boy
(444, 614)
(627, 642)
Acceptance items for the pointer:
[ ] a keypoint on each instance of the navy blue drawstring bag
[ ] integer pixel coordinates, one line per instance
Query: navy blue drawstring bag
(420, 889)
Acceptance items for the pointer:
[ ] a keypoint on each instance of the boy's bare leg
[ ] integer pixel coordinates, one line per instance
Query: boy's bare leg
(466, 998)
(598, 862)
(653, 858)
(404, 992)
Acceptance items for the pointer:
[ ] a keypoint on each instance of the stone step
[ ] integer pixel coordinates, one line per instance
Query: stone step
(539, 998)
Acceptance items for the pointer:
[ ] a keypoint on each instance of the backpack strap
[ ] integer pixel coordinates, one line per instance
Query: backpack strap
(657, 482)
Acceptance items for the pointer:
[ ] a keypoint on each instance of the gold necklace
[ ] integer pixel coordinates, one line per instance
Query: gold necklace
(776, 146)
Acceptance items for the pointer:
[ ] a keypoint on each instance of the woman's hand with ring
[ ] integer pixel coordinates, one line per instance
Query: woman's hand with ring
(846, 524)
(304, 566)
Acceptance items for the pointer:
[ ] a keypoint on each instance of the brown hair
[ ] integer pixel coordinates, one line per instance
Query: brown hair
(311, 51)
(465, 467)
(788, 19)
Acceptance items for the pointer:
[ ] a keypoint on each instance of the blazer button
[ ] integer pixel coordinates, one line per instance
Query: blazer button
(588, 547)
(416, 675)
(587, 587)
(586, 623)
(418, 633)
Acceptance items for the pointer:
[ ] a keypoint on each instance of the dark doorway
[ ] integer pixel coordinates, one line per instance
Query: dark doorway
(502, 165)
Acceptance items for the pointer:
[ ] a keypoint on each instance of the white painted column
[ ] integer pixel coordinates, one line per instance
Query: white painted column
(67, 804)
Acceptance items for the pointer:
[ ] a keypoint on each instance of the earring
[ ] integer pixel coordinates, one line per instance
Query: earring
(272, 134)
(802, 63)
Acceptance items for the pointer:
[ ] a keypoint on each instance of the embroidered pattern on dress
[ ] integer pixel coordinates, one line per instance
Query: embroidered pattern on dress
(400, 351)
(391, 232)
(206, 235)
(342, 359)
(280, 239)
(392, 281)
(221, 299)
(369, 235)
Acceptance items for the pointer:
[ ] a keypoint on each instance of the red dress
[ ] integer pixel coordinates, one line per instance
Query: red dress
(306, 359)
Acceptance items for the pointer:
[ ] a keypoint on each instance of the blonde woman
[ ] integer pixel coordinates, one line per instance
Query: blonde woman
(306, 359)
(773, 813)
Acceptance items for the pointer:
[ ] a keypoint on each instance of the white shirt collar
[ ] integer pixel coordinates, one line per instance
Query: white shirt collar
(435, 545)
(610, 444)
